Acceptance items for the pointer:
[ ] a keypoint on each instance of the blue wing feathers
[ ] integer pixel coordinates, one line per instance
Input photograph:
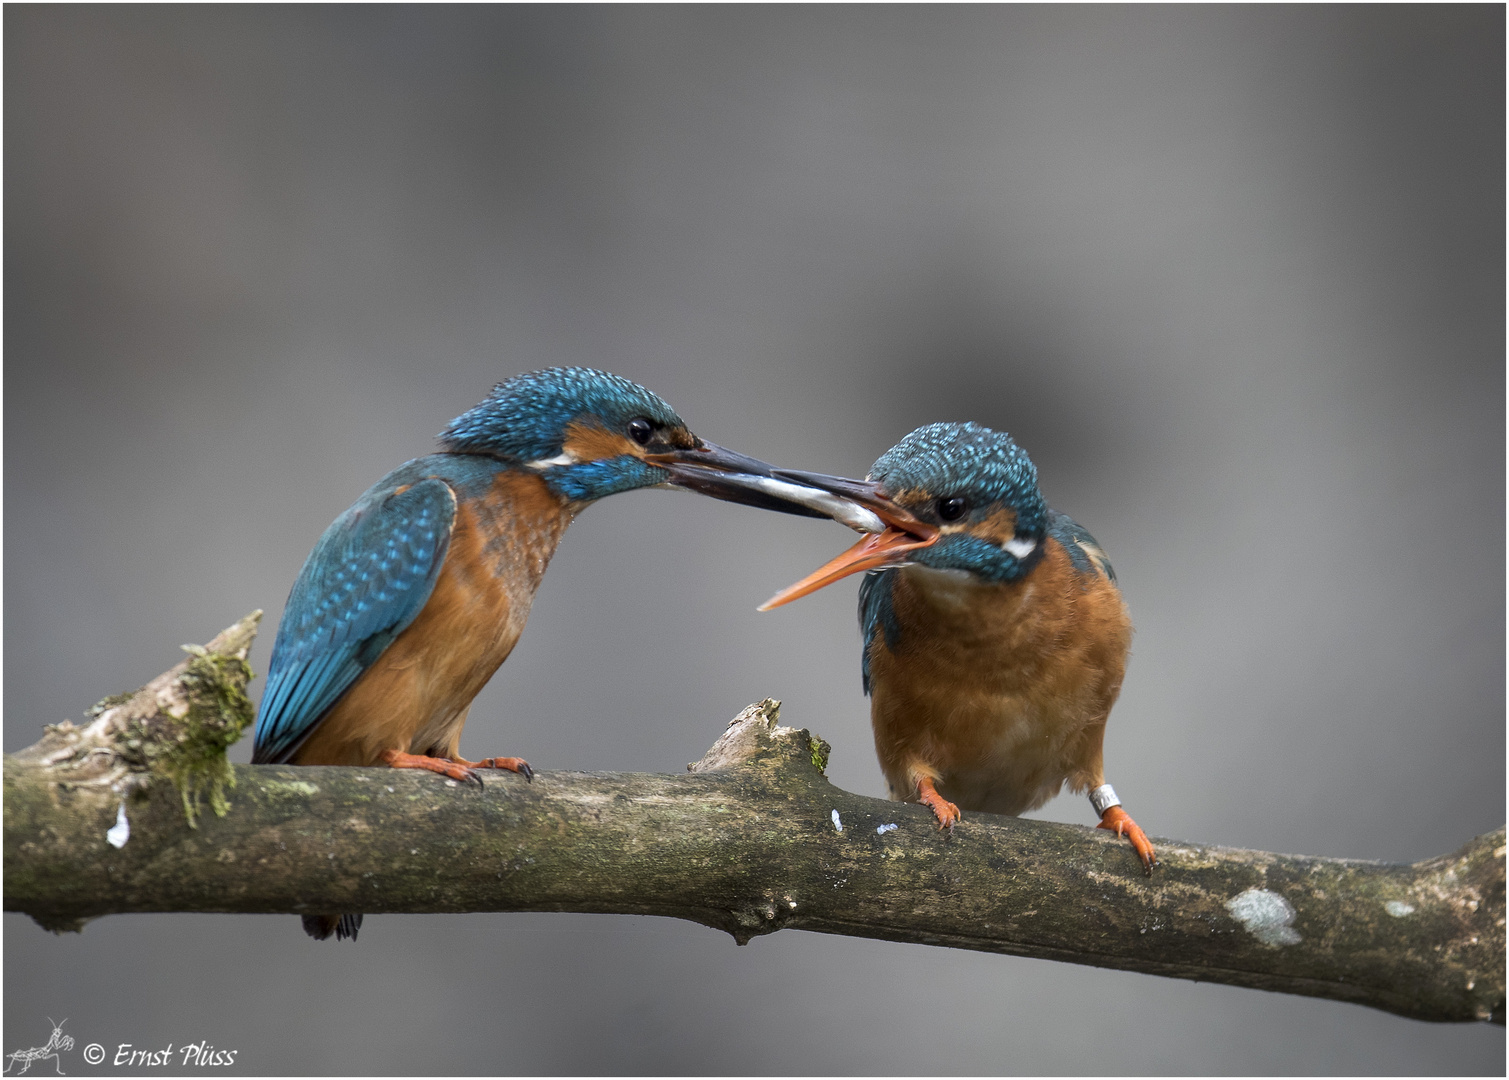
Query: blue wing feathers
(362, 585)
(876, 615)
(1085, 553)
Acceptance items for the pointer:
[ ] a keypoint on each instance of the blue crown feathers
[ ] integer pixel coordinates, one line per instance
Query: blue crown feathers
(968, 460)
(526, 417)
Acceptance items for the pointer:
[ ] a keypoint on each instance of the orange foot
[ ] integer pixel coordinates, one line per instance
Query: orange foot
(512, 764)
(459, 769)
(946, 812)
(1120, 822)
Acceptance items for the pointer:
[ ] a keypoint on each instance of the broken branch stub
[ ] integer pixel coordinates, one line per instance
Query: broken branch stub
(753, 736)
(176, 727)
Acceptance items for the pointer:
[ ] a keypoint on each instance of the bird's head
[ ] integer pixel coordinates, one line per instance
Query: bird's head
(590, 434)
(955, 497)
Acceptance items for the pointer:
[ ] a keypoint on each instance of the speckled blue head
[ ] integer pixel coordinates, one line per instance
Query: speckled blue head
(527, 417)
(991, 474)
(571, 425)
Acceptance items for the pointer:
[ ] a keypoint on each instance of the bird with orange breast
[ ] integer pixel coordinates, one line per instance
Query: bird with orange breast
(416, 594)
(995, 637)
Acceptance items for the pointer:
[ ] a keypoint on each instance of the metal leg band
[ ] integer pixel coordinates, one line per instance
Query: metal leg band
(1103, 798)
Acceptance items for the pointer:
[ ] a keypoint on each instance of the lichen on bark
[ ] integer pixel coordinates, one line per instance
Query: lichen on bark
(177, 727)
(216, 711)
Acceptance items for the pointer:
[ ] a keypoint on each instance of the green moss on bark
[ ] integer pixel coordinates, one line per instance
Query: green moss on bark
(187, 742)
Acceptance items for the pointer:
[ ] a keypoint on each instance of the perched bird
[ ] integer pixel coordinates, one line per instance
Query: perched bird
(415, 595)
(995, 637)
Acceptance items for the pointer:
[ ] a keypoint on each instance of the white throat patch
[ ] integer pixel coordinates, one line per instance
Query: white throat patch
(1019, 547)
(549, 463)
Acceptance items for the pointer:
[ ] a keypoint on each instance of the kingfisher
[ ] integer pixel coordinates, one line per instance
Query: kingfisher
(415, 595)
(995, 636)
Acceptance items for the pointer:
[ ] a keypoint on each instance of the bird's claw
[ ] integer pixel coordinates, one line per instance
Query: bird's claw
(453, 770)
(1118, 821)
(512, 764)
(460, 771)
(946, 812)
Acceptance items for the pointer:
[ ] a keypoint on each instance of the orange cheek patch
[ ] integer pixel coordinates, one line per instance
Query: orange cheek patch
(593, 442)
(523, 496)
(998, 528)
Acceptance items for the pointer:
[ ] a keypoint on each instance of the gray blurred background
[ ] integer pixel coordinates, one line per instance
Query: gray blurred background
(1233, 276)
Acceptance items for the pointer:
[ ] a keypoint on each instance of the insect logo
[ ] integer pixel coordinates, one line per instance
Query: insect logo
(27, 1058)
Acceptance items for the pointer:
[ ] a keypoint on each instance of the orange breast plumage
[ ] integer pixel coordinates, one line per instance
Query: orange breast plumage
(414, 698)
(998, 692)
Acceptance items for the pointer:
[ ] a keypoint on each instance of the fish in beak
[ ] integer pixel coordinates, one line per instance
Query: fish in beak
(902, 533)
(709, 469)
(890, 530)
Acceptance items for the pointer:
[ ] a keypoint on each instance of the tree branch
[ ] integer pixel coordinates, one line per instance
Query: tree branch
(748, 842)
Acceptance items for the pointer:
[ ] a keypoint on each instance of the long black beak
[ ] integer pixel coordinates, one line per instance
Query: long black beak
(903, 533)
(725, 474)
(866, 493)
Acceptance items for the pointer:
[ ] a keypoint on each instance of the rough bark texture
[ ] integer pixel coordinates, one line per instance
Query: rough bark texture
(748, 842)
(175, 728)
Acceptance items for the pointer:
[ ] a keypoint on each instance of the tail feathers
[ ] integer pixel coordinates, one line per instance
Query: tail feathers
(321, 927)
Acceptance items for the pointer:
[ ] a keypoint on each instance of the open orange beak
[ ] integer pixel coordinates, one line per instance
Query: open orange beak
(891, 530)
(887, 548)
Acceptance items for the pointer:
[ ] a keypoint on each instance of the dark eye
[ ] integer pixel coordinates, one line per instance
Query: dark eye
(952, 508)
(640, 430)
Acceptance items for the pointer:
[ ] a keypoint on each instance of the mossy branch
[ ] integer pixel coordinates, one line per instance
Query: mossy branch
(177, 728)
(754, 840)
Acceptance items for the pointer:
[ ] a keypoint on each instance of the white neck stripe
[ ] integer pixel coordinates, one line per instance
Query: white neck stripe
(1021, 548)
(549, 463)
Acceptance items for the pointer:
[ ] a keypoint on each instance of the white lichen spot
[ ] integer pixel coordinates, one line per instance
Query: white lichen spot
(883, 829)
(291, 787)
(837, 824)
(1398, 908)
(120, 832)
(1265, 915)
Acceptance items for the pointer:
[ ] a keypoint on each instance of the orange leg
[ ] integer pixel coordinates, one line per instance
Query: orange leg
(946, 812)
(445, 767)
(512, 764)
(1120, 822)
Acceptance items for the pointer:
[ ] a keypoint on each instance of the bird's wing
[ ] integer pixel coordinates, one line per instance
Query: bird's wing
(1085, 552)
(364, 582)
(875, 616)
